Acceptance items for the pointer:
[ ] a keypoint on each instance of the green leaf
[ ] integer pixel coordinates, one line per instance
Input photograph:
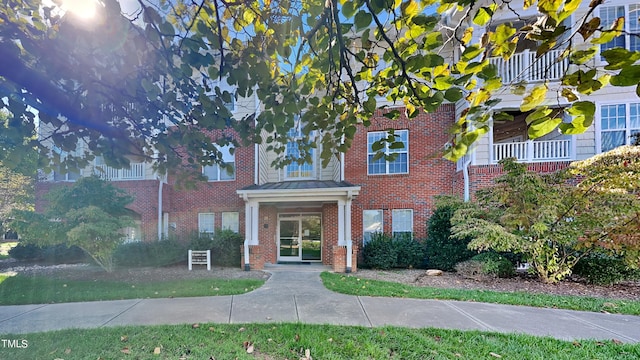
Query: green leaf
(349, 9)
(628, 76)
(619, 58)
(471, 52)
(582, 56)
(484, 14)
(363, 20)
(453, 94)
(612, 33)
(542, 127)
(583, 113)
(534, 98)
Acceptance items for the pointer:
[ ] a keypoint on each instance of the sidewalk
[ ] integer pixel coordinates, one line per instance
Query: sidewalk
(296, 294)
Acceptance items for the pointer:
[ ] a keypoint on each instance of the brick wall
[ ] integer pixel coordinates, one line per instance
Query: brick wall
(482, 176)
(429, 175)
(184, 204)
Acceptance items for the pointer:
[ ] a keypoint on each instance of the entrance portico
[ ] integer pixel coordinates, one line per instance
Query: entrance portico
(299, 221)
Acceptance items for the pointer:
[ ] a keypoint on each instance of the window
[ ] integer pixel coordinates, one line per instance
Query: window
(206, 223)
(372, 223)
(60, 174)
(231, 221)
(618, 124)
(630, 13)
(217, 172)
(295, 170)
(402, 222)
(399, 164)
(133, 233)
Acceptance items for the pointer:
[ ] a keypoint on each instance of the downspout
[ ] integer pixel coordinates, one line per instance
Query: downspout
(347, 230)
(465, 174)
(256, 149)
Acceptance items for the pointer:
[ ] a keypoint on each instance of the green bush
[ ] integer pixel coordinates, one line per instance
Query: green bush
(384, 252)
(224, 246)
(495, 264)
(442, 251)
(152, 254)
(604, 270)
(56, 254)
(410, 252)
(380, 252)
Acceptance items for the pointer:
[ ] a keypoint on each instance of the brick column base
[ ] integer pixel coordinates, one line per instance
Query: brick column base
(256, 259)
(340, 259)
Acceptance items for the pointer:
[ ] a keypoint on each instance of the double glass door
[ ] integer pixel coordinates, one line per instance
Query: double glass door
(299, 237)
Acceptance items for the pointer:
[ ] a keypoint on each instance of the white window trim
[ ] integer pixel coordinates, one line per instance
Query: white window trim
(313, 163)
(201, 229)
(393, 223)
(626, 34)
(236, 221)
(227, 157)
(598, 121)
(364, 226)
(387, 152)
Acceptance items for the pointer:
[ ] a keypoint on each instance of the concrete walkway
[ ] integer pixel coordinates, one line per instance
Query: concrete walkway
(296, 294)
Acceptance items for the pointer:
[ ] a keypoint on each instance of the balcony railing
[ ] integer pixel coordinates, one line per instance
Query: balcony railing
(533, 151)
(524, 66)
(135, 171)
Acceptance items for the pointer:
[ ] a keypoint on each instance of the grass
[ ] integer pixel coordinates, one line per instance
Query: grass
(352, 285)
(18, 290)
(291, 341)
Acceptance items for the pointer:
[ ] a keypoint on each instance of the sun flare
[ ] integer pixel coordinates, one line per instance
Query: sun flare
(83, 9)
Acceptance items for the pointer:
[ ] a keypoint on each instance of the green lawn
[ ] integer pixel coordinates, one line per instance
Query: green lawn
(17, 290)
(291, 341)
(352, 285)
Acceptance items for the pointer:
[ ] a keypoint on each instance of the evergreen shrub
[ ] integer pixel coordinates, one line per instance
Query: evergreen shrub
(224, 246)
(150, 254)
(604, 270)
(442, 251)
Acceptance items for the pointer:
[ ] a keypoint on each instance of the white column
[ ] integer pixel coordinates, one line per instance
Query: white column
(254, 223)
(341, 223)
(247, 233)
(347, 231)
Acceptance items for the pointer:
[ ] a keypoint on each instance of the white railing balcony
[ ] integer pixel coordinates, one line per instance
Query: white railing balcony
(135, 171)
(533, 151)
(524, 66)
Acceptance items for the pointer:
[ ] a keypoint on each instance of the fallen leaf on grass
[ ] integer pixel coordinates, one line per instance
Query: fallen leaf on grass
(241, 329)
(297, 337)
(156, 351)
(67, 351)
(125, 351)
(616, 341)
(248, 346)
(495, 355)
(124, 338)
(195, 326)
(307, 355)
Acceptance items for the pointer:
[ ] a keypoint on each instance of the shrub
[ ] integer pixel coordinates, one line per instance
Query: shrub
(380, 252)
(486, 264)
(224, 246)
(56, 254)
(604, 270)
(153, 254)
(410, 252)
(442, 251)
(384, 252)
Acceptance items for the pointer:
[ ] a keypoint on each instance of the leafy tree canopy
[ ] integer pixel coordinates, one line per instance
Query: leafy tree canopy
(144, 83)
(552, 222)
(89, 214)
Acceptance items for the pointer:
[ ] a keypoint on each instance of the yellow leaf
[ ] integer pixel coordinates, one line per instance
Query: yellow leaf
(535, 98)
(156, 351)
(467, 35)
